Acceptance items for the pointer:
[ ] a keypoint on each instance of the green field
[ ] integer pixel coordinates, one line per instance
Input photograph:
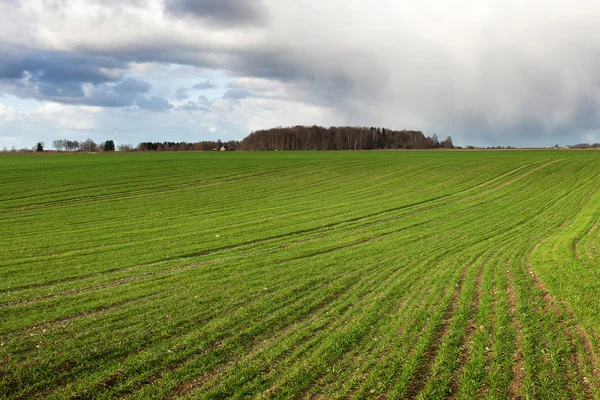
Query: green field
(381, 274)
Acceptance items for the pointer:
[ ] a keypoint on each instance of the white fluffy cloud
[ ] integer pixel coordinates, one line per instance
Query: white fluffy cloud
(23, 128)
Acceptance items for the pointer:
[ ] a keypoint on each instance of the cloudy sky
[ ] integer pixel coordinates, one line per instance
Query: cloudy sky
(505, 72)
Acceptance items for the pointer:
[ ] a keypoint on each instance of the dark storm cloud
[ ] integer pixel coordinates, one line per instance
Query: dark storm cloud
(231, 12)
(75, 79)
(53, 67)
(529, 129)
(205, 85)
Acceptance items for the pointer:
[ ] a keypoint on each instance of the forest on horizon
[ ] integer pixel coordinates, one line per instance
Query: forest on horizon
(289, 138)
(340, 138)
(297, 137)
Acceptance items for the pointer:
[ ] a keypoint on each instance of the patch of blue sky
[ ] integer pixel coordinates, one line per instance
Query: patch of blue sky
(20, 104)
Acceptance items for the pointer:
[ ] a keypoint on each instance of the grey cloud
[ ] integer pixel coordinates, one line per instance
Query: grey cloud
(189, 106)
(203, 104)
(121, 94)
(205, 85)
(237, 94)
(153, 103)
(75, 79)
(529, 129)
(132, 86)
(519, 97)
(59, 76)
(182, 93)
(231, 12)
(58, 6)
(203, 101)
(54, 5)
(50, 67)
(280, 64)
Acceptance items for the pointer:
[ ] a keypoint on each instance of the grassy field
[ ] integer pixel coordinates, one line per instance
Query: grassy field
(382, 274)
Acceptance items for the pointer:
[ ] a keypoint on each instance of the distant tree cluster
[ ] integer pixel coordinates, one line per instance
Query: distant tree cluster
(185, 146)
(340, 138)
(109, 145)
(88, 146)
(585, 146)
(14, 150)
(65, 145)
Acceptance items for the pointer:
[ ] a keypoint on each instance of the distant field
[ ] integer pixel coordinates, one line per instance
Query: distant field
(381, 274)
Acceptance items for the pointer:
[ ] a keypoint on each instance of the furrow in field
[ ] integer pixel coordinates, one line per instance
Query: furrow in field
(161, 344)
(372, 369)
(131, 194)
(518, 369)
(350, 318)
(501, 362)
(467, 362)
(216, 370)
(329, 227)
(153, 273)
(516, 178)
(369, 367)
(199, 360)
(171, 188)
(428, 347)
(447, 359)
(576, 357)
(582, 369)
(540, 345)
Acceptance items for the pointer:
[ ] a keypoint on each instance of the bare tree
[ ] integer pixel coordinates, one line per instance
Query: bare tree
(89, 146)
(58, 144)
(448, 143)
(125, 147)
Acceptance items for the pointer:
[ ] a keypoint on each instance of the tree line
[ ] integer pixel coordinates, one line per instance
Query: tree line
(90, 146)
(87, 146)
(290, 138)
(584, 146)
(340, 138)
(207, 145)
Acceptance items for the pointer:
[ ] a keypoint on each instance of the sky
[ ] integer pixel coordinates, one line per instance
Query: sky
(487, 73)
